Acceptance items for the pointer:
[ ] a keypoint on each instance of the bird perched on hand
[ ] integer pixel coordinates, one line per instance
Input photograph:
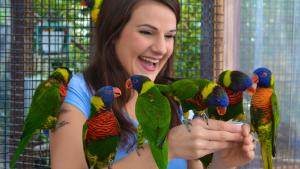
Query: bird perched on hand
(101, 131)
(235, 83)
(44, 108)
(94, 6)
(153, 113)
(264, 113)
(198, 95)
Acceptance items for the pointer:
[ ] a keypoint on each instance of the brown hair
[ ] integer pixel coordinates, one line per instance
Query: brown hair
(106, 69)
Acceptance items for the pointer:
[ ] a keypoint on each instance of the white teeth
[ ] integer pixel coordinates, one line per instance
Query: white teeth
(151, 60)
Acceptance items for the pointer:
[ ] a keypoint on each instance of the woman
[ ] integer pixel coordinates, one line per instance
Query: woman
(138, 37)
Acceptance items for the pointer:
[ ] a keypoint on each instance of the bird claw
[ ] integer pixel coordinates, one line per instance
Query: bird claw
(110, 164)
(60, 124)
(204, 116)
(187, 124)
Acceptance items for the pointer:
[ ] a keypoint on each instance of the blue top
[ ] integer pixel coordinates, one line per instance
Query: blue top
(79, 96)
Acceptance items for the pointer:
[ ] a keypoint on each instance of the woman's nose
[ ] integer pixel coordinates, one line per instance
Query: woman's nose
(159, 46)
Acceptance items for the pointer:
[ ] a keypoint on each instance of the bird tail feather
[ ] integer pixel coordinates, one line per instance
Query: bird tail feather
(266, 152)
(160, 155)
(21, 147)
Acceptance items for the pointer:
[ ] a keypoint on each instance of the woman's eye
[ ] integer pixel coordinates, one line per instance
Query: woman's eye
(170, 36)
(146, 32)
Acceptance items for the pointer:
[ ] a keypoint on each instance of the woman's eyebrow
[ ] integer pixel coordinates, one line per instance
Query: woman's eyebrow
(153, 27)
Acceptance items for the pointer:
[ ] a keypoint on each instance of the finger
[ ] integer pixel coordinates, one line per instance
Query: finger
(245, 129)
(222, 126)
(250, 151)
(221, 136)
(215, 145)
(250, 147)
(248, 139)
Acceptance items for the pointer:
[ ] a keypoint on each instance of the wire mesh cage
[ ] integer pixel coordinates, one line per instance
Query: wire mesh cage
(270, 37)
(38, 35)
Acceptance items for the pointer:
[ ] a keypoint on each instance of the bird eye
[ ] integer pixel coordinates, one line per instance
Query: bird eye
(264, 74)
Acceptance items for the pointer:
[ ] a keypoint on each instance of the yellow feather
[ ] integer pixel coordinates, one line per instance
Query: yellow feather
(146, 86)
(64, 73)
(94, 14)
(227, 79)
(96, 9)
(97, 102)
(208, 89)
(97, 4)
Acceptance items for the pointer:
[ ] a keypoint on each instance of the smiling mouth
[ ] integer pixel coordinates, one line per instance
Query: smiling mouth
(148, 63)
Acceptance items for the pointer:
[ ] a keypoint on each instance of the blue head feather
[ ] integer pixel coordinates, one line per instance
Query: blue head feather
(218, 98)
(106, 93)
(264, 77)
(247, 82)
(240, 81)
(137, 82)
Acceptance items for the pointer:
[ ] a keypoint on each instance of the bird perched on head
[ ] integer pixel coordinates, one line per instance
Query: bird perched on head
(94, 6)
(264, 113)
(235, 83)
(198, 95)
(44, 107)
(153, 113)
(101, 131)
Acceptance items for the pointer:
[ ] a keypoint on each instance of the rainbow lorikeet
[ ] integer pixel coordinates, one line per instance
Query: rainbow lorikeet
(101, 131)
(44, 108)
(235, 83)
(264, 113)
(198, 95)
(94, 6)
(153, 113)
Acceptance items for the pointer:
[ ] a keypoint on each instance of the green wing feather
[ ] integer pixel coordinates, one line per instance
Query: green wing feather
(276, 120)
(152, 107)
(154, 115)
(45, 102)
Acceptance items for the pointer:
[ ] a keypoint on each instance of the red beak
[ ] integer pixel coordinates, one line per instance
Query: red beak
(128, 84)
(221, 110)
(255, 79)
(117, 92)
(251, 90)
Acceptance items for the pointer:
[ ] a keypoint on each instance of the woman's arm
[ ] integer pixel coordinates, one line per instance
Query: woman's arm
(66, 147)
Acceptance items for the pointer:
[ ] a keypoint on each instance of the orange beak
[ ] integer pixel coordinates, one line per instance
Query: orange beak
(255, 79)
(117, 92)
(221, 110)
(128, 84)
(251, 90)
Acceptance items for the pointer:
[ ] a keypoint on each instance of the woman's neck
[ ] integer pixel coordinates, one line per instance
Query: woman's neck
(130, 106)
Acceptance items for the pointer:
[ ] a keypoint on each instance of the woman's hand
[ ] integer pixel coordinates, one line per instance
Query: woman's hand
(240, 154)
(203, 139)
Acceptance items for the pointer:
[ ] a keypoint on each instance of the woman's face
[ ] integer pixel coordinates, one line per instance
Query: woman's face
(147, 40)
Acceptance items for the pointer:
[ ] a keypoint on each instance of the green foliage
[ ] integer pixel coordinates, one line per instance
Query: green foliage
(4, 13)
(57, 9)
(72, 15)
(187, 62)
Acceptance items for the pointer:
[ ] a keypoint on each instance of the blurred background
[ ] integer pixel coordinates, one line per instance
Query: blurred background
(214, 35)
